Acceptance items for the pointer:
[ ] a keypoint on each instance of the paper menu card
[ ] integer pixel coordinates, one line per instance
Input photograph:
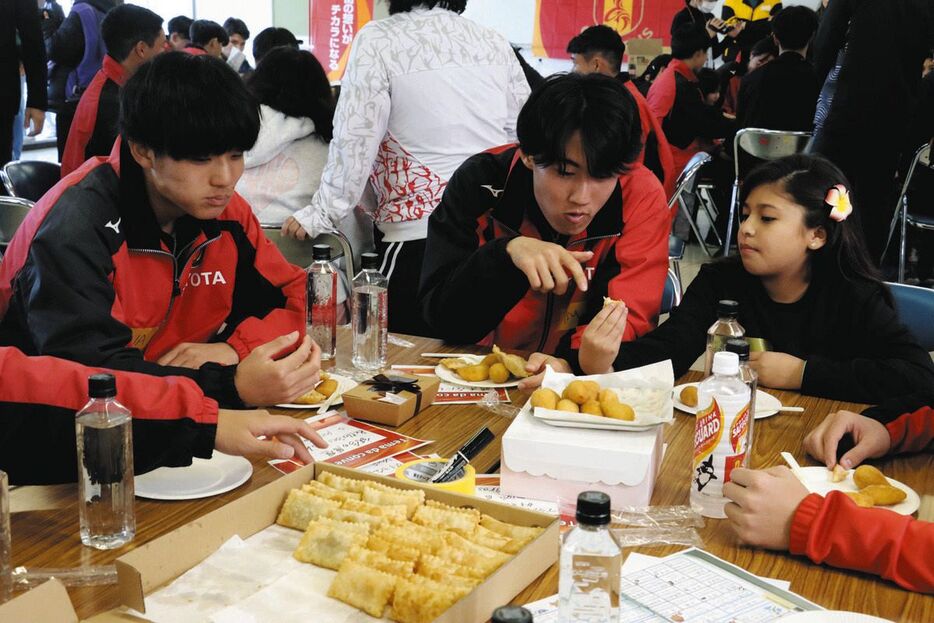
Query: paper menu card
(488, 489)
(450, 394)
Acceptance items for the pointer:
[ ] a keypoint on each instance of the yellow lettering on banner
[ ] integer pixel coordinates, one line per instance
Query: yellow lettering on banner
(142, 337)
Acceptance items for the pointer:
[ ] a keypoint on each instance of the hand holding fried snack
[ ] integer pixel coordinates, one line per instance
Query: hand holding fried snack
(871, 439)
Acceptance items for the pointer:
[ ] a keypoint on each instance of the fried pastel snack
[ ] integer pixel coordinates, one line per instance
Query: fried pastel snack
(443, 519)
(312, 397)
(396, 551)
(514, 363)
(454, 363)
(474, 373)
(473, 512)
(340, 482)
(866, 475)
(420, 600)
(413, 536)
(392, 512)
(838, 474)
(377, 560)
(471, 555)
(377, 493)
(327, 387)
(301, 508)
(363, 587)
(437, 569)
(326, 542)
(488, 538)
(492, 359)
(884, 495)
(860, 499)
(323, 491)
(519, 533)
(342, 514)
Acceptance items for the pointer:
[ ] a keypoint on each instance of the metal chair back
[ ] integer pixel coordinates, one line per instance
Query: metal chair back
(671, 295)
(915, 307)
(686, 186)
(30, 179)
(902, 217)
(12, 212)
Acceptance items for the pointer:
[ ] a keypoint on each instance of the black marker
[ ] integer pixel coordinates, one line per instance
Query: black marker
(462, 457)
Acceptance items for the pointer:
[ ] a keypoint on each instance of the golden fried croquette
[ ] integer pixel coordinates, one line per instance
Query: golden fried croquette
(592, 407)
(478, 372)
(581, 391)
(619, 411)
(689, 396)
(866, 475)
(545, 398)
(499, 373)
(567, 405)
(861, 499)
(884, 495)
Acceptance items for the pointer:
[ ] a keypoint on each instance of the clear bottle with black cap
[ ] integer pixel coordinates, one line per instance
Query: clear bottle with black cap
(370, 315)
(748, 376)
(321, 317)
(511, 614)
(104, 430)
(588, 581)
(727, 326)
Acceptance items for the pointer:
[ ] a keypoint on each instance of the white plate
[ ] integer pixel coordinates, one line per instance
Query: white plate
(449, 376)
(344, 383)
(831, 616)
(203, 478)
(767, 405)
(817, 480)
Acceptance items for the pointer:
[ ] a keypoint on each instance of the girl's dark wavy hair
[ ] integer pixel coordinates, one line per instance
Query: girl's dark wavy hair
(597, 106)
(402, 6)
(294, 83)
(805, 180)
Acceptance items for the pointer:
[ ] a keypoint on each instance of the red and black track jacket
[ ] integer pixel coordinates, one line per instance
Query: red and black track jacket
(471, 290)
(95, 126)
(172, 419)
(89, 277)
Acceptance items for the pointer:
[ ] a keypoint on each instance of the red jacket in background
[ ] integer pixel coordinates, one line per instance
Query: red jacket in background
(95, 125)
(835, 531)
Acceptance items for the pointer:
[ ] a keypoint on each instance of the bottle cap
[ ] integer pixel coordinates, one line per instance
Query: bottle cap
(727, 309)
(511, 614)
(593, 508)
(369, 261)
(102, 386)
(321, 252)
(725, 363)
(738, 346)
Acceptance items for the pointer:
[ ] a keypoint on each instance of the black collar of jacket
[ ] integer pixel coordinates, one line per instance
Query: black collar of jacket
(518, 203)
(141, 228)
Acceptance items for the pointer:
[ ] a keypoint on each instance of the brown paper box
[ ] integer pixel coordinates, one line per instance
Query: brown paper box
(160, 561)
(362, 404)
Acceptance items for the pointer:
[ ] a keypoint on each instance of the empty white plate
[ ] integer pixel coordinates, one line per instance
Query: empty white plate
(202, 479)
(767, 405)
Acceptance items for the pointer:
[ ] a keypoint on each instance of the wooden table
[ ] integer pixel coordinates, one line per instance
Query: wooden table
(49, 538)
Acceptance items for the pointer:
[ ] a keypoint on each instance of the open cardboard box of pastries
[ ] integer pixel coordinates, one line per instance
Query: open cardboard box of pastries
(157, 563)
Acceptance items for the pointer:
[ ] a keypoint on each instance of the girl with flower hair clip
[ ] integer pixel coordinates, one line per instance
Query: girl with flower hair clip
(805, 286)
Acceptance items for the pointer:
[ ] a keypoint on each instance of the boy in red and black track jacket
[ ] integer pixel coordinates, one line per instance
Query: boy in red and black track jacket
(608, 231)
(132, 36)
(109, 270)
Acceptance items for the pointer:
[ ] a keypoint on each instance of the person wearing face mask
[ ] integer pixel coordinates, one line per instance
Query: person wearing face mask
(528, 239)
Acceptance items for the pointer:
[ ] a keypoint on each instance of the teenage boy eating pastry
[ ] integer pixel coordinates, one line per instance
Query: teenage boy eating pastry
(148, 261)
(528, 239)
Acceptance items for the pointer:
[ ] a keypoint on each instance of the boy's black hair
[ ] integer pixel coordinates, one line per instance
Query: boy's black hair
(403, 6)
(270, 38)
(805, 180)
(164, 106)
(126, 25)
(655, 67)
(687, 40)
(708, 80)
(180, 24)
(763, 46)
(598, 107)
(601, 40)
(794, 26)
(203, 30)
(236, 26)
(294, 83)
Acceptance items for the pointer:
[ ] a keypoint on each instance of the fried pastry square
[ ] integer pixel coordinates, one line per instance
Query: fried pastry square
(363, 587)
(300, 508)
(519, 533)
(488, 538)
(342, 514)
(473, 512)
(312, 397)
(439, 518)
(392, 512)
(420, 600)
(396, 551)
(340, 482)
(471, 555)
(438, 568)
(410, 535)
(379, 560)
(322, 490)
(454, 363)
(376, 493)
(326, 542)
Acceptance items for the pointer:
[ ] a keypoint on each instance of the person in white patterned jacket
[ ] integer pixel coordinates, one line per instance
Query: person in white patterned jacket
(424, 90)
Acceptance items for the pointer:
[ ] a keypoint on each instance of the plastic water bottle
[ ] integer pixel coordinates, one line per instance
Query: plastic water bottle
(511, 614)
(370, 315)
(724, 328)
(321, 317)
(720, 434)
(748, 376)
(104, 430)
(588, 581)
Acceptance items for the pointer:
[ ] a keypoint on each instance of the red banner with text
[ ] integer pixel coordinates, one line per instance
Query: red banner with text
(558, 21)
(333, 24)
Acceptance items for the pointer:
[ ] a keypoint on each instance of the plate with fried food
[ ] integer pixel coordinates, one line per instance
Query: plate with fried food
(866, 486)
(329, 384)
(498, 369)
(685, 399)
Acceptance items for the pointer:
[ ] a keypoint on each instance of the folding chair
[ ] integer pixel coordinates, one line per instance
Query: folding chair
(12, 212)
(299, 252)
(915, 307)
(30, 179)
(671, 295)
(902, 217)
(685, 186)
(764, 145)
